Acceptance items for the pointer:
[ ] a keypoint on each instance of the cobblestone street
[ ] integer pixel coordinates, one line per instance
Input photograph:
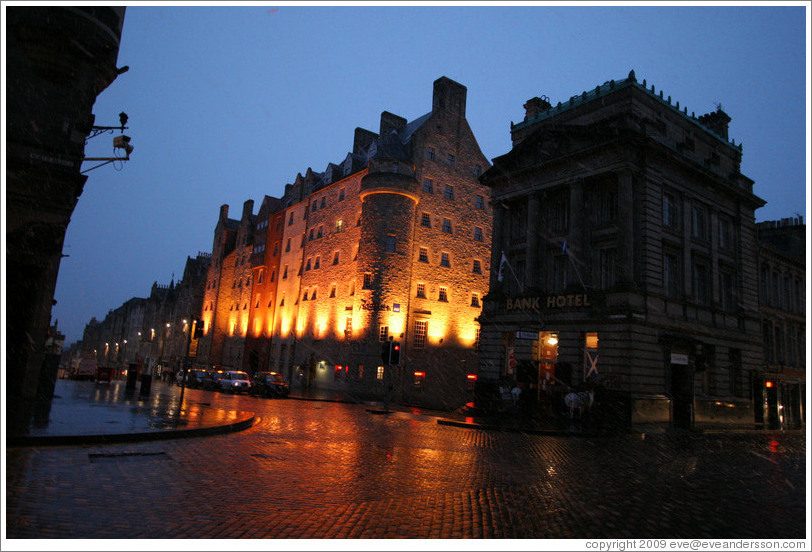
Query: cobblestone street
(331, 470)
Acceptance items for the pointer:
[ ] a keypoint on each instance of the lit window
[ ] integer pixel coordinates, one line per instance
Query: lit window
(478, 234)
(420, 331)
(591, 340)
(444, 260)
(425, 220)
(419, 378)
(443, 296)
(339, 226)
(348, 327)
(424, 255)
(421, 290)
(446, 226)
(449, 192)
(428, 185)
(380, 372)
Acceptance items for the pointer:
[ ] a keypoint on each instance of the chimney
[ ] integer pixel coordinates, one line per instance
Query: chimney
(224, 212)
(449, 97)
(247, 208)
(717, 122)
(534, 106)
(390, 122)
(362, 139)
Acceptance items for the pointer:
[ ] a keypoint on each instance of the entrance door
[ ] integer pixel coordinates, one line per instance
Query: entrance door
(682, 396)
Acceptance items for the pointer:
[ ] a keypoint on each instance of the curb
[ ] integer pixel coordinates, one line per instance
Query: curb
(533, 431)
(61, 440)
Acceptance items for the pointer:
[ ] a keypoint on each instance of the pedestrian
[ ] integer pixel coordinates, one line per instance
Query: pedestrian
(516, 394)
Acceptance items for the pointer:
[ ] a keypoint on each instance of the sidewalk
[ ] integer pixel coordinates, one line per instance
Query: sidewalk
(84, 412)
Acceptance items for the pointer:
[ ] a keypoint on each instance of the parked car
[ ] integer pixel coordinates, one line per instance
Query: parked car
(269, 384)
(235, 382)
(197, 379)
(213, 382)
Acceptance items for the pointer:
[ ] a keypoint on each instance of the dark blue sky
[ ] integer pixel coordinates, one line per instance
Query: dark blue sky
(230, 103)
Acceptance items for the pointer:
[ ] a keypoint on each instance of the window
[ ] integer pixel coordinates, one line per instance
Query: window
(424, 255)
(341, 194)
(450, 160)
(315, 205)
(449, 192)
(287, 246)
(672, 276)
(478, 234)
(304, 295)
(317, 263)
(699, 222)
(367, 280)
(312, 234)
(379, 375)
(475, 300)
(480, 202)
(339, 226)
(670, 211)
(725, 234)
(307, 266)
(443, 294)
(285, 273)
(313, 297)
(348, 327)
(446, 226)
(335, 257)
(352, 288)
(429, 153)
(383, 334)
(273, 275)
(323, 203)
(394, 167)
(419, 378)
(605, 203)
(391, 242)
(561, 269)
(702, 291)
(333, 290)
(320, 231)
(478, 338)
(608, 260)
(290, 220)
(477, 267)
(302, 243)
(282, 301)
(425, 220)
(420, 330)
(428, 185)
(421, 290)
(556, 212)
(478, 170)
(726, 293)
(444, 260)
(279, 223)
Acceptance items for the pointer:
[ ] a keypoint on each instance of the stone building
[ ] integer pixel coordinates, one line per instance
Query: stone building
(629, 240)
(390, 243)
(780, 391)
(58, 60)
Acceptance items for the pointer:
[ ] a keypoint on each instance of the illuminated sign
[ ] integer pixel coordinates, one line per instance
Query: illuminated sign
(549, 302)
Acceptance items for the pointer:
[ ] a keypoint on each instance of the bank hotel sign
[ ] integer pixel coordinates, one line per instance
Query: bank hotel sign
(548, 302)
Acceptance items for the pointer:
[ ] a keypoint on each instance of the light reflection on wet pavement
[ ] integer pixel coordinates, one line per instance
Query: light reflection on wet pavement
(331, 470)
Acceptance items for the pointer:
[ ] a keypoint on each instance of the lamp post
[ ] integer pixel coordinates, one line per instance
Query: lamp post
(186, 360)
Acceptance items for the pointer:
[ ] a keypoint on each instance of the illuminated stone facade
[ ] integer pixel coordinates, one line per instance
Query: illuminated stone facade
(631, 252)
(392, 242)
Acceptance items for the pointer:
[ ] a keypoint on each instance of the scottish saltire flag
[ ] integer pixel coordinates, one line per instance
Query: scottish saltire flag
(502, 265)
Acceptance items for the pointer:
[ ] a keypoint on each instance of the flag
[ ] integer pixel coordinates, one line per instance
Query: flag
(502, 264)
(564, 247)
